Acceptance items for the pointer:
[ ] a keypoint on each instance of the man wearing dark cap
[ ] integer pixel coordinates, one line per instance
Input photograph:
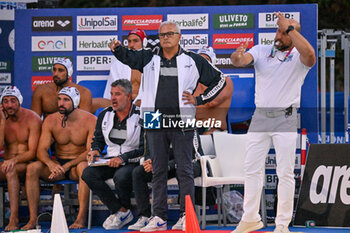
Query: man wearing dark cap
(44, 99)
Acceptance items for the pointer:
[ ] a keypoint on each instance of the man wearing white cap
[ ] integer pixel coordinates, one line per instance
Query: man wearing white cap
(71, 129)
(44, 99)
(20, 130)
(218, 107)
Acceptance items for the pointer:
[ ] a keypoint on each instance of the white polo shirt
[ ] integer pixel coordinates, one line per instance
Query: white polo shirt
(278, 82)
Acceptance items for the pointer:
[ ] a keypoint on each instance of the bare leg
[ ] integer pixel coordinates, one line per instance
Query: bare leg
(83, 197)
(13, 186)
(35, 170)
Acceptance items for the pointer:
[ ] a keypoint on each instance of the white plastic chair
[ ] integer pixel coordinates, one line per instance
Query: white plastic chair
(207, 145)
(208, 150)
(226, 167)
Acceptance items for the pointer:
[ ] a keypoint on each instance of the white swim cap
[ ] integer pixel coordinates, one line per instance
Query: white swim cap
(209, 51)
(72, 93)
(66, 63)
(12, 91)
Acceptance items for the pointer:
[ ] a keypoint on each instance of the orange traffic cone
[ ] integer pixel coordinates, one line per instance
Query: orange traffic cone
(192, 225)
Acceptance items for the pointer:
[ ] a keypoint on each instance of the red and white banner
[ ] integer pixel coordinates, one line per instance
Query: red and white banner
(232, 41)
(39, 80)
(145, 22)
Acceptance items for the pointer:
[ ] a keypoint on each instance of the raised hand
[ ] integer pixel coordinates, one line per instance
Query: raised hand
(241, 49)
(282, 22)
(239, 57)
(2, 113)
(114, 44)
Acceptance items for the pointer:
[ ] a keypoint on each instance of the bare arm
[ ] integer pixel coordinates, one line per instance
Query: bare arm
(37, 102)
(225, 94)
(2, 126)
(86, 100)
(240, 58)
(45, 142)
(307, 52)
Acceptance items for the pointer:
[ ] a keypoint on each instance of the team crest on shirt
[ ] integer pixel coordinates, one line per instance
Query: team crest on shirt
(289, 58)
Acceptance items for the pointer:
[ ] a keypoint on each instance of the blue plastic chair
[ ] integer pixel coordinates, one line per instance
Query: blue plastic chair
(242, 103)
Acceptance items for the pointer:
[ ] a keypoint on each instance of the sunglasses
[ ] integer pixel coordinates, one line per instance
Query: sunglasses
(169, 34)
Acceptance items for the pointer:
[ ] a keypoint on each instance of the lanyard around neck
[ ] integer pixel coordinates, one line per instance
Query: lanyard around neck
(273, 54)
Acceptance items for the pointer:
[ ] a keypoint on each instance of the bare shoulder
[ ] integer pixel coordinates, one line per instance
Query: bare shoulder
(44, 88)
(86, 115)
(50, 120)
(31, 115)
(81, 89)
(229, 82)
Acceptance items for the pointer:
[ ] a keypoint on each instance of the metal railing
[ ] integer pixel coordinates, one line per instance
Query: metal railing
(327, 40)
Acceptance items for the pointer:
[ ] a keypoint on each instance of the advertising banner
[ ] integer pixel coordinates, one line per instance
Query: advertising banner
(324, 196)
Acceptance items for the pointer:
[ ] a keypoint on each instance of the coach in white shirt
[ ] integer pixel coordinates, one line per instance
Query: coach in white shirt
(280, 72)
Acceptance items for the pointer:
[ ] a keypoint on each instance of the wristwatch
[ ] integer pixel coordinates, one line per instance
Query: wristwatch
(290, 28)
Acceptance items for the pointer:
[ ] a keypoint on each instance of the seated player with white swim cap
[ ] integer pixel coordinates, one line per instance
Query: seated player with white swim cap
(218, 107)
(44, 99)
(20, 130)
(71, 130)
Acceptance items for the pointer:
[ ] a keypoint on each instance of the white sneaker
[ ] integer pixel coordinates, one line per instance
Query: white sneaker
(141, 222)
(281, 229)
(118, 220)
(246, 227)
(181, 224)
(155, 224)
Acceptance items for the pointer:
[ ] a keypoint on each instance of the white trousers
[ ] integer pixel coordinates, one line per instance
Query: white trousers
(281, 131)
